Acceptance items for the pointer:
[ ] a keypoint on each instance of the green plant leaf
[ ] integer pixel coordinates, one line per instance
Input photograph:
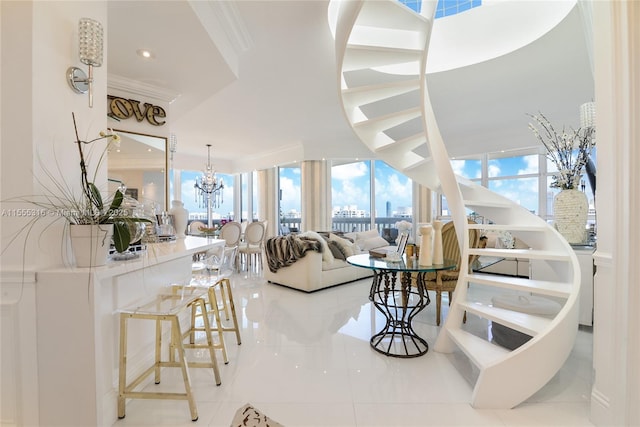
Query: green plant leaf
(118, 197)
(96, 198)
(121, 236)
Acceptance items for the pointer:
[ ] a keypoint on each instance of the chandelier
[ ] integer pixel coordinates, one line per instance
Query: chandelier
(209, 190)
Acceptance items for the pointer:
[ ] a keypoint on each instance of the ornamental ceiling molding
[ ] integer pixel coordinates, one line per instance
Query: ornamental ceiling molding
(145, 90)
(225, 27)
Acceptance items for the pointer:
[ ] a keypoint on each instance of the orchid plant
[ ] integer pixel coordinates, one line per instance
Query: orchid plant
(62, 201)
(568, 150)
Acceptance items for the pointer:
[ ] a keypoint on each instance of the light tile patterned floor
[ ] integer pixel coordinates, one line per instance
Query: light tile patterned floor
(305, 360)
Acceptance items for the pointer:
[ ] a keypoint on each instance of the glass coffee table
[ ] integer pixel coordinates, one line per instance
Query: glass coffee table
(398, 301)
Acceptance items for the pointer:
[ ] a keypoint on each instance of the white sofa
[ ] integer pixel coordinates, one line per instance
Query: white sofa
(318, 270)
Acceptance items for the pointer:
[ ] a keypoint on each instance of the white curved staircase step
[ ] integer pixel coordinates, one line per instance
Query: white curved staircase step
(379, 124)
(487, 204)
(388, 38)
(362, 95)
(480, 351)
(541, 287)
(361, 57)
(526, 323)
(522, 253)
(402, 146)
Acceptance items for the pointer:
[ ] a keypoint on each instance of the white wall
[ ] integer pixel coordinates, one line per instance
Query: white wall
(615, 395)
(39, 43)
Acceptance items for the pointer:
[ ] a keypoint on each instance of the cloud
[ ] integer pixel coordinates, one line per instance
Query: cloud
(290, 194)
(494, 169)
(349, 171)
(396, 189)
(351, 192)
(531, 165)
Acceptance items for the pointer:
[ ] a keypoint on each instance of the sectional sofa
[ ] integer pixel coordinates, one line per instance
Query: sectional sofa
(319, 270)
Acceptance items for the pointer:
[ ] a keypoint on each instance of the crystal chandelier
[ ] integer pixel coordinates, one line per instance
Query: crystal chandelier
(209, 190)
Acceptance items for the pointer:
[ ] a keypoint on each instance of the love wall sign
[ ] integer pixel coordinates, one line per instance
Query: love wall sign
(123, 109)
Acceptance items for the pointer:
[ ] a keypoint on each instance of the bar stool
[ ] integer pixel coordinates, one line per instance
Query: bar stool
(164, 307)
(217, 268)
(221, 272)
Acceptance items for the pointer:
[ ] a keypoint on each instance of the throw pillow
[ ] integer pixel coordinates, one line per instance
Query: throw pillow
(369, 234)
(372, 243)
(351, 236)
(336, 250)
(346, 246)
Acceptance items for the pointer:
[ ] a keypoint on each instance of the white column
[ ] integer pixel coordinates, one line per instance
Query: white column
(268, 199)
(316, 196)
(616, 389)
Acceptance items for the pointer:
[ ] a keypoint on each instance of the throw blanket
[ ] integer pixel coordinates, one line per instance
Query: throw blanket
(282, 251)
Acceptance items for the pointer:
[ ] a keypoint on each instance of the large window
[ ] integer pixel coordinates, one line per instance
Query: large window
(351, 196)
(516, 178)
(524, 178)
(197, 206)
(290, 197)
(393, 192)
(368, 194)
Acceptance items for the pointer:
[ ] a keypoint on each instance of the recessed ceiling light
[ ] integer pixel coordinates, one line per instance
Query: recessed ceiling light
(146, 54)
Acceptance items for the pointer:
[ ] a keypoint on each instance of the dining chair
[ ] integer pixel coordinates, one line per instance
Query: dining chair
(251, 248)
(446, 280)
(194, 227)
(231, 233)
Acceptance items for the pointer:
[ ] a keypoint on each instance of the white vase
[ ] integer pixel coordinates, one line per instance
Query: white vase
(90, 243)
(180, 218)
(437, 243)
(425, 245)
(570, 209)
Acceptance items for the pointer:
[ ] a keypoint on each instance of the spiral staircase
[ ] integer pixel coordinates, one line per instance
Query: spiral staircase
(381, 54)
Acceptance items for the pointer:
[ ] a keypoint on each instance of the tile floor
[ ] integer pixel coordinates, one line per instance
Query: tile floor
(305, 360)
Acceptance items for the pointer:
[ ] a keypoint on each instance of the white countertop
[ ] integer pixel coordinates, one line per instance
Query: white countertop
(156, 253)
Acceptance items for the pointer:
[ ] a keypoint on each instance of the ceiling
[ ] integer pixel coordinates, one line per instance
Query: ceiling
(257, 80)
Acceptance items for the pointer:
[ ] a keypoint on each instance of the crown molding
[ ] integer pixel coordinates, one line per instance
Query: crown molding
(136, 87)
(233, 25)
(226, 29)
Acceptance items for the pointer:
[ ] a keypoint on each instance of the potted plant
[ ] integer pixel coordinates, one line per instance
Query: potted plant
(91, 218)
(569, 151)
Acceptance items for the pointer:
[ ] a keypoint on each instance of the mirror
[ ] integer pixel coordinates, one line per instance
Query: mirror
(140, 163)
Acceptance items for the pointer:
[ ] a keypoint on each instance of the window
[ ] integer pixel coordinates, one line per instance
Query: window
(444, 7)
(516, 178)
(244, 196)
(369, 194)
(351, 196)
(393, 193)
(289, 186)
(197, 207)
(468, 168)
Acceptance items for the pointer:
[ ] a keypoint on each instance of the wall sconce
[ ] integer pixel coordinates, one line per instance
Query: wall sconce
(90, 51)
